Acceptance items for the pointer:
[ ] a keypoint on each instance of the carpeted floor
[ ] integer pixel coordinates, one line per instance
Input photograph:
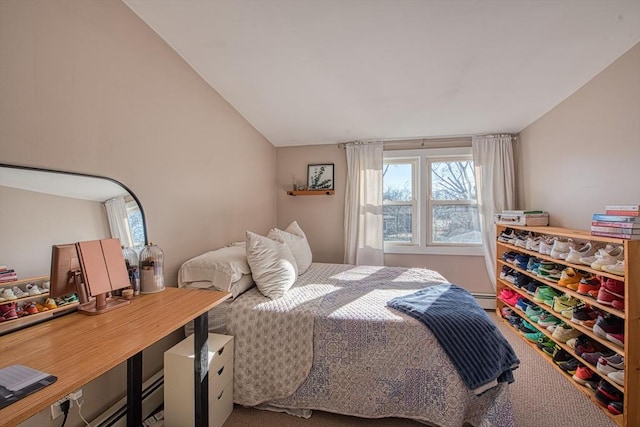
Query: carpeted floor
(540, 395)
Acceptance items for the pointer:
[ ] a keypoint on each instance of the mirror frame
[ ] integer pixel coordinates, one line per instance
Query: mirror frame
(57, 171)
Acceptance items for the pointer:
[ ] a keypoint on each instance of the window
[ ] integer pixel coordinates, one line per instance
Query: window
(430, 202)
(135, 223)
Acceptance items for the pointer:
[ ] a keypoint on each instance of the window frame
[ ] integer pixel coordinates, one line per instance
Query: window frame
(422, 241)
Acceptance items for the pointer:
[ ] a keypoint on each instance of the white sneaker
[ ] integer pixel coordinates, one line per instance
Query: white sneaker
(617, 268)
(588, 260)
(8, 294)
(583, 251)
(33, 289)
(608, 258)
(617, 377)
(560, 249)
(533, 244)
(546, 244)
(19, 292)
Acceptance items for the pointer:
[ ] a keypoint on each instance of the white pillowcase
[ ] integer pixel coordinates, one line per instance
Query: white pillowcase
(222, 268)
(295, 239)
(273, 266)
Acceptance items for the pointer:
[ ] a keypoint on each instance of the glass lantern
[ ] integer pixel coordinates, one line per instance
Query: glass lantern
(151, 269)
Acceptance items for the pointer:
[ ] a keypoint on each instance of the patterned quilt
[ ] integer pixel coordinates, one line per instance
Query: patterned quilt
(332, 344)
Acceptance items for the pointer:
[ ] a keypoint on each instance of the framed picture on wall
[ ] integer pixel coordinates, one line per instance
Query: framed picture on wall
(320, 176)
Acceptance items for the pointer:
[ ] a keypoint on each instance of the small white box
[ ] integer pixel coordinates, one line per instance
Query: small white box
(533, 220)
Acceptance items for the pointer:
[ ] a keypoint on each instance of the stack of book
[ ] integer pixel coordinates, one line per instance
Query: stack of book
(7, 274)
(618, 221)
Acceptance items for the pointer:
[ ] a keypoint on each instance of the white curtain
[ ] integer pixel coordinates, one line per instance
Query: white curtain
(363, 204)
(119, 220)
(495, 183)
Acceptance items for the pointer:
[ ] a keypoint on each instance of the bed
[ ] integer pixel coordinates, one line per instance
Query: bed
(331, 342)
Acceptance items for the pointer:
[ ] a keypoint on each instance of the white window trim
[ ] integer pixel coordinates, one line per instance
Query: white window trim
(421, 247)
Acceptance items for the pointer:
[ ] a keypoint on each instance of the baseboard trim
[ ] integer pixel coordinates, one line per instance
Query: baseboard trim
(486, 301)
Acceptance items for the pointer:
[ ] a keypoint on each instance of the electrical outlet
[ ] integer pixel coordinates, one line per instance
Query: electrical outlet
(55, 408)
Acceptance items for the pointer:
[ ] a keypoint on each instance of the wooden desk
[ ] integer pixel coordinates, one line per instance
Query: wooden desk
(78, 348)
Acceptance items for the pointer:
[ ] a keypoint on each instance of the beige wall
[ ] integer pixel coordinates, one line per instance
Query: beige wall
(31, 222)
(585, 153)
(86, 86)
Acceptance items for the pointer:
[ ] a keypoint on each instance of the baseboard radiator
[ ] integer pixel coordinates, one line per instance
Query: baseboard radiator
(152, 399)
(486, 301)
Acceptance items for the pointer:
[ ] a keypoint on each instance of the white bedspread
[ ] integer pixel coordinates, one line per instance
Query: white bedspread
(332, 344)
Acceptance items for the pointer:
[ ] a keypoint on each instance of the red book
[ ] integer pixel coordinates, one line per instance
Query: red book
(625, 213)
(616, 235)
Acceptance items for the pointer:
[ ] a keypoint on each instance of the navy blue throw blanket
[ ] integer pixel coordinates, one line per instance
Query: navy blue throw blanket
(474, 344)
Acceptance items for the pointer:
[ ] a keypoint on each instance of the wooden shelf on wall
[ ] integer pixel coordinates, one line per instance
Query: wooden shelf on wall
(311, 192)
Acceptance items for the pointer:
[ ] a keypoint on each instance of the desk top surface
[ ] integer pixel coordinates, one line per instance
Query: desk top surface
(78, 348)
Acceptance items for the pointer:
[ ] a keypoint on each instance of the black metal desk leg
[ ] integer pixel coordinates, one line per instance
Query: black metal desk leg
(134, 390)
(201, 370)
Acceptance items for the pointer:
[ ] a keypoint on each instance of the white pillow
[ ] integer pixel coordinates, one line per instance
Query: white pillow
(295, 238)
(222, 267)
(273, 266)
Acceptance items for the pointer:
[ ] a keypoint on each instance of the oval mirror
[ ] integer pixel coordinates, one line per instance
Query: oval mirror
(40, 208)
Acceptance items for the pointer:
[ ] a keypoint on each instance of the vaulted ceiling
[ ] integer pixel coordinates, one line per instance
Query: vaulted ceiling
(326, 71)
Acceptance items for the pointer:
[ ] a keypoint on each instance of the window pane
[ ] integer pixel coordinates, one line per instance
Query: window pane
(398, 223)
(135, 224)
(456, 224)
(397, 182)
(453, 180)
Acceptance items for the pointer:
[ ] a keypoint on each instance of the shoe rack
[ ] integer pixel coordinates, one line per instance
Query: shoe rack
(630, 315)
(7, 326)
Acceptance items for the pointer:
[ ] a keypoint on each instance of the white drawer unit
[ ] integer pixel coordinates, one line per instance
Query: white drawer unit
(178, 382)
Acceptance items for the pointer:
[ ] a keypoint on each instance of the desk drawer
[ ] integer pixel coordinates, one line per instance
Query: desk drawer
(219, 379)
(221, 353)
(220, 406)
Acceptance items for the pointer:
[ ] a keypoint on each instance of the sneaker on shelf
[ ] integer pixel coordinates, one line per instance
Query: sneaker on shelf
(533, 243)
(533, 286)
(616, 338)
(533, 336)
(585, 345)
(565, 302)
(617, 377)
(605, 257)
(578, 251)
(560, 248)
(8, 295)
(545, 320)
(606, 393)
(33, 289)
(509, 257)
(571, 366)
(587, 284)
(522, 304)
(546, 244)
(570, 276)
(521, 261)
(561, 357)
(8, 311)
(592, 358)
(522, 280)
(608, 325)
(617, 268)
(616, 408)
(618, 304)
(18, 292)
(508, 296)
(533, 264)
(547, 345)
(585, 375)
(564, 332)
(615, 360)
(590, 259)
(545, 295)
(521, 240)
(584, 315)
(507, 236)
(506, 311)
(507, 273)
(604, 368)
(50, 304)
(613, 286)
(606, 298)
(533, 312)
